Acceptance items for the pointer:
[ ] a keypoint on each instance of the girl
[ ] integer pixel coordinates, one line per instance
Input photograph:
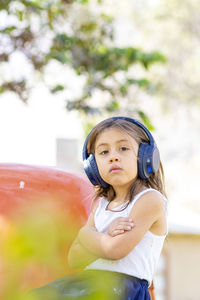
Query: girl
(123, 237)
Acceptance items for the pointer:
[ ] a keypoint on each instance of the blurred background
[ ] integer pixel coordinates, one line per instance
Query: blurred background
(67, 64)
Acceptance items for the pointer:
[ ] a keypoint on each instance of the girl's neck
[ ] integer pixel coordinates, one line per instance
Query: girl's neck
(122, 196)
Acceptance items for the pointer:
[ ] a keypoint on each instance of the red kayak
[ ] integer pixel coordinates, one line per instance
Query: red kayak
(41, 211)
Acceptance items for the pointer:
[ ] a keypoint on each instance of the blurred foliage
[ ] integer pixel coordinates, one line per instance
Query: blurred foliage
(78, 34)
(33, 248)
(33, 253)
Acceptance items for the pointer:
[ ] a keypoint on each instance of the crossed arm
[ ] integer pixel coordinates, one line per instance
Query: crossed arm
(81, 256)
(90, 244)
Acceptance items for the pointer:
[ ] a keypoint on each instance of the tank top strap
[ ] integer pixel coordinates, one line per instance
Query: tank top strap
(144, 192)
(101, 205)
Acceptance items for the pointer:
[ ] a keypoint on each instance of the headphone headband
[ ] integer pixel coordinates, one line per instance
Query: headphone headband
(149, 135)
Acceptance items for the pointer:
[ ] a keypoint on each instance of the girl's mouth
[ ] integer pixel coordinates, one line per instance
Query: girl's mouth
(115, 170)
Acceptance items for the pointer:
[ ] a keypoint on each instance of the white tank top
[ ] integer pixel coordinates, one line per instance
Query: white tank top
(141, 262)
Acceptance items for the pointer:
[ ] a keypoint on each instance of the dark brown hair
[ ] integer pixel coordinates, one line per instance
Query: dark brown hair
(155, 181)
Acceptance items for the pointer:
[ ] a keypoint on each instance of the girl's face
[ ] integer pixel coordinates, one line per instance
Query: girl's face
(116, 157)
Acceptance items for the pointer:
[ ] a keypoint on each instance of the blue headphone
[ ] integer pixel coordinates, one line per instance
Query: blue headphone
(148, 157)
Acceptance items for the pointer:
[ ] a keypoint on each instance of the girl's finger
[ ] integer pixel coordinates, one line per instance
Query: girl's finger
(120, 227)
(128, 227)
(124, 227)
(117, 232)
(125, 224)
(125, 219)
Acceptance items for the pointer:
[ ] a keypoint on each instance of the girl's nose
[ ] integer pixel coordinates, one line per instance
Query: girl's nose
(114, 158)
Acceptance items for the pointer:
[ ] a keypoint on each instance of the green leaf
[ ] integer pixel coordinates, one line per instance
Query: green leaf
(63, 42)
(142, 83)
(89, 27)
(102, 49)
(61, 57)
(153, 57)
(146, 120)
(57, 88)
(82, 1)
(8, 29)
(35, 4)
(113, 106)
(87, 126)
(124, 89)
(20, 14)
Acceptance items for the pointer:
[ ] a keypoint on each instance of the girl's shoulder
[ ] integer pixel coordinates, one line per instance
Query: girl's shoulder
(148, 190)
(99, 203)
(149, 193)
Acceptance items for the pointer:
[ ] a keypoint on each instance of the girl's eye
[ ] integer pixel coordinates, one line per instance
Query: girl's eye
(124, 148)
(104, 152)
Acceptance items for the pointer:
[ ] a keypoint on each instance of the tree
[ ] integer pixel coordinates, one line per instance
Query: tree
(171, 26)
(78, 35)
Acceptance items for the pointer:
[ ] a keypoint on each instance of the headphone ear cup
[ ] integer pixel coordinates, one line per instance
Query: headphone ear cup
(89, 173)
(91, 169)
(155, 159)
(146, 160)
(141, 151)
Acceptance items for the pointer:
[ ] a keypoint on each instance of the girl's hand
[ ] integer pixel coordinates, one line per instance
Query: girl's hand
(119, 226)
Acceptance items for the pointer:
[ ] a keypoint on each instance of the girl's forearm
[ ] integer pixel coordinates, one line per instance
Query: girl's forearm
(79, 256)
(96, 242)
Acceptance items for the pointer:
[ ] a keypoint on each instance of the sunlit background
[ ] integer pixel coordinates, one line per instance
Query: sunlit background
(42, 132)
